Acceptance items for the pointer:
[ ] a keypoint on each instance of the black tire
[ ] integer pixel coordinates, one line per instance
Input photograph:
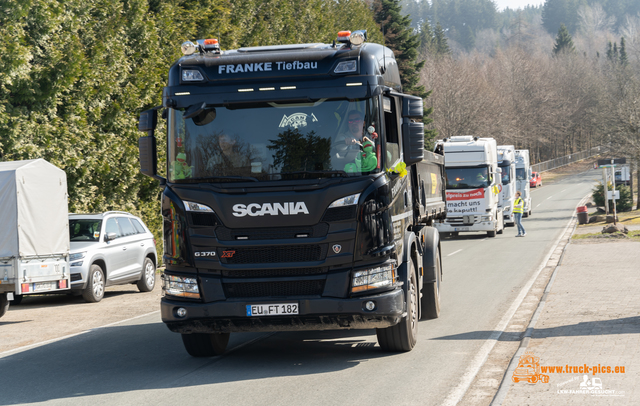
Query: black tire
(148, 278)
(17, 299)
(431, 294)
(205, 345)
(4, 304)
(403, 336)
(491, 233)
(94, 292)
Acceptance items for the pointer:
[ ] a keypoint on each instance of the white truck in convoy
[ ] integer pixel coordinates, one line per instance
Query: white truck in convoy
(473, 176)
(507, 163)
(523, 176)
(34, 238)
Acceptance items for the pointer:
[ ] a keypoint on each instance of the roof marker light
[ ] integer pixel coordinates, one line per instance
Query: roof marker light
(287, 88)
(263, 89)
(245, 90)
(343, 36)
(183, 94)
(354, 84)
(211, 44)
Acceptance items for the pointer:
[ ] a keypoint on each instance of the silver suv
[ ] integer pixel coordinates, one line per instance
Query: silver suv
(111, 248)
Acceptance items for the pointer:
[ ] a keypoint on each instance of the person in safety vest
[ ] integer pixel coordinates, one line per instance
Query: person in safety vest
(518, 206)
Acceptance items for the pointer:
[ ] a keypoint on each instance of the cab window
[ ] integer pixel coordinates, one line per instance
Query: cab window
(391, 131)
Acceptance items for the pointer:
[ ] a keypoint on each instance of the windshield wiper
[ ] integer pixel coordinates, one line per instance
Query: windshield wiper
(228, 178)
(341, 173)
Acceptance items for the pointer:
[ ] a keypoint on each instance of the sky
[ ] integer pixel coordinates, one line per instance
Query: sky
(516, 4)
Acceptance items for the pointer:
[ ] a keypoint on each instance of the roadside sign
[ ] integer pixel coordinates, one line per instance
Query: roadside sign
(611, 162)
(610, 195)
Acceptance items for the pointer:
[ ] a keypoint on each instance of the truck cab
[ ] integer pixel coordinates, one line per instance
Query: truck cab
(297, 196)
(507, 165)
(473, 179)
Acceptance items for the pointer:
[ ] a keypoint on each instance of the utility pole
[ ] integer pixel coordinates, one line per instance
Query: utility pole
(606, 191)
(613, 194)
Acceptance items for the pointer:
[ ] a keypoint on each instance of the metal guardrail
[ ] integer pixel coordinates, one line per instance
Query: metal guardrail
(567, 159)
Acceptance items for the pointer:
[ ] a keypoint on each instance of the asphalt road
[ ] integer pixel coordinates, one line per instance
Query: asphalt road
(141, 362)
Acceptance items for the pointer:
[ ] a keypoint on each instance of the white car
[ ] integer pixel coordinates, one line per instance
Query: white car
(111, 248)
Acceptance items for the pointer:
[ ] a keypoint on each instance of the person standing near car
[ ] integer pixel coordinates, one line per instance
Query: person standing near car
(518, 206)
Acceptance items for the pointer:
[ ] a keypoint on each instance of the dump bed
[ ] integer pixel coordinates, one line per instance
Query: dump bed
(429, 180)
(33, 210)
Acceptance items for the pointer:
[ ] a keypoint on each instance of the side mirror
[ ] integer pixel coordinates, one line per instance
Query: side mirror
(147, 145)
(412, 142)
(109, 236)
(412, 107)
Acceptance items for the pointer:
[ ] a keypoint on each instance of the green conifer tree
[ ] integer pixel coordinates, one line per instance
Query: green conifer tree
(564, 42)
(624, 59)
(440, 40)
(399, 37)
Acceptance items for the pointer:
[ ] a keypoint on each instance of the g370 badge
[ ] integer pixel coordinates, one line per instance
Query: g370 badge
(205, 254)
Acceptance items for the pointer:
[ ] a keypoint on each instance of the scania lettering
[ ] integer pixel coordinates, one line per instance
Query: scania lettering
(507, 165)
(255, 209)
(523, 175)
(297, 194)
(473, 186)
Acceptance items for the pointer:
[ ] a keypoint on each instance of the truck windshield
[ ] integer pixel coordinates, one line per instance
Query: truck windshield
(521, 174)
(274, 141)
(468, 178)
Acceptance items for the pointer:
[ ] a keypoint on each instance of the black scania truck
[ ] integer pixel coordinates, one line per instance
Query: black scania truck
(286, 204)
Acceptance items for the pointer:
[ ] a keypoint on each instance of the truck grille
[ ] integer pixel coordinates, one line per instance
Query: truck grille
(271, 289)
(340, 213)
(268, 273)
(203, 219)
(266, 255)
(227, 234)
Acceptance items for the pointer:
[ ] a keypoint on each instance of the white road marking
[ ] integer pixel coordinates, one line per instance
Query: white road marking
(454, 252)
(538, 205)
(53, 340)
(562, 190)
(481, 356)
(549, 197)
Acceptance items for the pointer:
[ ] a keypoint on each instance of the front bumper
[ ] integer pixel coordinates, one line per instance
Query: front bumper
(454, 228)
(319, 313)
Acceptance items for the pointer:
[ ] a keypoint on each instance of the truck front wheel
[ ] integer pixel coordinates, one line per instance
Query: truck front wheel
(4, 304)
(205, 345)
(403, 336)
(431, 294)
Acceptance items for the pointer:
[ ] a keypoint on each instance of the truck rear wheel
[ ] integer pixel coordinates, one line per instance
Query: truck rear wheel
(4, 304)
(205, 345)
(403, 336)
(491, 233)
(431, 294)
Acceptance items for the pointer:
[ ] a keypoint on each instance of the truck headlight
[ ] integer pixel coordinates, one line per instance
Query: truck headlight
(373, 278)
(181, 286)
(76, 256)
(346, 201)
(487, 218)
(197, 207)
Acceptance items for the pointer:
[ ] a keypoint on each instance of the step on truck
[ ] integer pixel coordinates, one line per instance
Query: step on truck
(507, 165)
(34, 237)
(523, 175)
(298, 194)
(473, 179)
